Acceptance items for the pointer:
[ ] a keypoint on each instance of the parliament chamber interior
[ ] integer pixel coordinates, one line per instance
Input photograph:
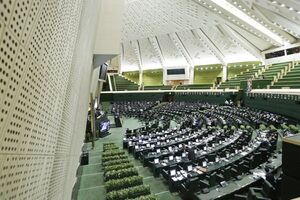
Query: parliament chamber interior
(149, 99)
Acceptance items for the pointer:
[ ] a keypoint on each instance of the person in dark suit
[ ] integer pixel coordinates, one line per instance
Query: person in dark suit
(192, 154)
(270, 176)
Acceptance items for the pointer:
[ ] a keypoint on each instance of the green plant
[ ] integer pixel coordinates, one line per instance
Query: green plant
(110, 146)
(117, 157)
(128, 193)
(117, 167)
(115, 162)
(112, 153)
(123, 183)
(122, 173)
(146, 197)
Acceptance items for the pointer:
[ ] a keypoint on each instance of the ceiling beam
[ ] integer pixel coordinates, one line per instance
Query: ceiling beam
(180, 46)
(203, 38)
(122, 56)
(233, 11)
(242, 41)
(157, 49)
(136, 46)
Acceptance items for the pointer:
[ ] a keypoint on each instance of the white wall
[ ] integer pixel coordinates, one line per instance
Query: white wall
(47, 62)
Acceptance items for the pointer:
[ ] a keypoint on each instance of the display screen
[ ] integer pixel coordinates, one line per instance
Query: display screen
(104, 126)
(103, 71)
(175, 71)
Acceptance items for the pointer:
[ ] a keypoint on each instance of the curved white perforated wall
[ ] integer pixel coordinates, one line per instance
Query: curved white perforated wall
(41, 84)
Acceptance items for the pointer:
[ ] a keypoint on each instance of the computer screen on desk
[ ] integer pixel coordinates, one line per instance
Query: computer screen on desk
(156, 160)
(204, 164)
(157, 150)
(171, 158)
(173, 172)
(189, 168)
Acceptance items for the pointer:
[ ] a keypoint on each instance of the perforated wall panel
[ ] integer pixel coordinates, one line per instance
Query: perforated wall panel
(38, 98)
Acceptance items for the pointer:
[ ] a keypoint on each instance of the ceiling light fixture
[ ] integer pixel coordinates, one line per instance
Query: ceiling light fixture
(247, 19)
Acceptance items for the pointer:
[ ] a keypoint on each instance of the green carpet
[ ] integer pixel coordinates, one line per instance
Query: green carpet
(89, 185)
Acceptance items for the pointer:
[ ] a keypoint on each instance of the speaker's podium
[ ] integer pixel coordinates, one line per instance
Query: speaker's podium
(291, 167)
(117, 121)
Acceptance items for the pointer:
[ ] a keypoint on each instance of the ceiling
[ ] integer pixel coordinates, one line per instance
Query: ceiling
(163, 33)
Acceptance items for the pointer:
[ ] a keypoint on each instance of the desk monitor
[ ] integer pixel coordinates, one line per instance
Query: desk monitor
(227, 173)
(170, 148)
(168, 141)
(156, 160)
(158, 143)
(227, 154)
(136, 146)
(157, 150)
(204, 164)
(129, 143)
(183, 155)
(180, 145)
(211, 157)
(189, 168)
(173, 172)
(171, 157)
(152, 145)
(213, 179)
(148, 145)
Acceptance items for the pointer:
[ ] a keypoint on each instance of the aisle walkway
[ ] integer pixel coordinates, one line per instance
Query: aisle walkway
(90, 177)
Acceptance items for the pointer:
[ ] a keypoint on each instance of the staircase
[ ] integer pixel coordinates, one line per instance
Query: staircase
(234, 83)
(123, 84)
(290, 78)
(273, 72)
(195, 86)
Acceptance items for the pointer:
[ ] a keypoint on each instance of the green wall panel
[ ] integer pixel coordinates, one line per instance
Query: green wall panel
(285, 107)
(237, 68)
(207, 74)
(153, 77)
(133, 76)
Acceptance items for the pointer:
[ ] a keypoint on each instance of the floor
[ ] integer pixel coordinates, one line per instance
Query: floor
(90, 177)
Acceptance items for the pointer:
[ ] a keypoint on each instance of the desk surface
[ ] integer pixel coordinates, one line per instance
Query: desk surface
(294, 139)
(236, 185)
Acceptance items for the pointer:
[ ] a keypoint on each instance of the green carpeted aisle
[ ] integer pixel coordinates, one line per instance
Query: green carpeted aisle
(90, 177)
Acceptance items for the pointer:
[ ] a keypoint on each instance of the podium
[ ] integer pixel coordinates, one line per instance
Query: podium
(117, 121)
(291, 167)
